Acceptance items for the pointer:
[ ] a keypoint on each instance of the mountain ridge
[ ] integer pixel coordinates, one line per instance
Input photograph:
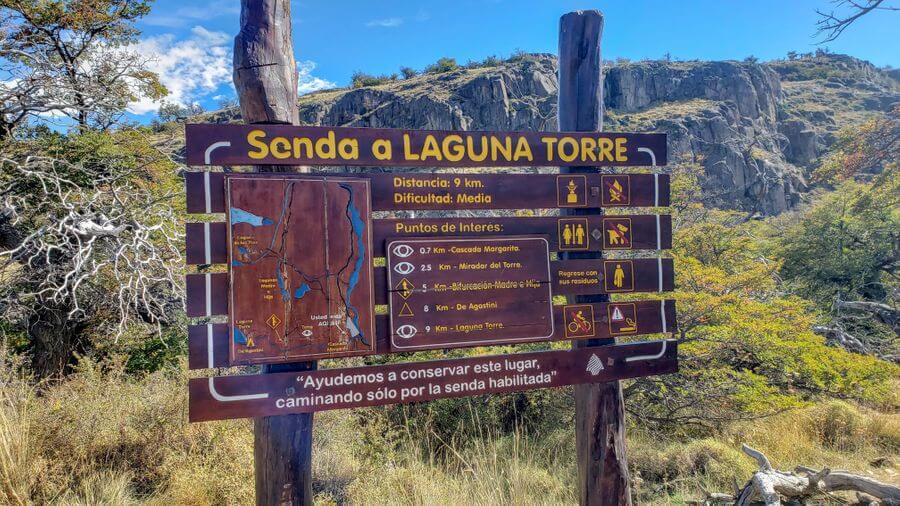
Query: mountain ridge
(757, 129)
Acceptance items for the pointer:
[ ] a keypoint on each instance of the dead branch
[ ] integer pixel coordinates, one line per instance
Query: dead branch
(841, 338)
(107, 248)
(769, 486)
(832, 24)
(883, 312)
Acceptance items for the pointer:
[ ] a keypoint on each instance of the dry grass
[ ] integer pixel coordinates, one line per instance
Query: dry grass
(104, 438)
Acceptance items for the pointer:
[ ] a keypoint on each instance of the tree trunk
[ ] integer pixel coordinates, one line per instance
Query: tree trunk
(54, 341)
(265, 76)
(599, 408)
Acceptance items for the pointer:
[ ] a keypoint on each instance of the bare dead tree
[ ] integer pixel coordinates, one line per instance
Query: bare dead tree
(832, 24)
(104, 252)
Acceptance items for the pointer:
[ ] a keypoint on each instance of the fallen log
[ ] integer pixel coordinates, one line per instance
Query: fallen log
(769, 485)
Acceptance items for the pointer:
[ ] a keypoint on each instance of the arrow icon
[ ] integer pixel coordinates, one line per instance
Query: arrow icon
(405, 288)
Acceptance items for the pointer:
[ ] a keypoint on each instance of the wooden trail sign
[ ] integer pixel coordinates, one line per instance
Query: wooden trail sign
(315, 145)
(448, 192)
(304, 274)
(206, 242)
(305, 392)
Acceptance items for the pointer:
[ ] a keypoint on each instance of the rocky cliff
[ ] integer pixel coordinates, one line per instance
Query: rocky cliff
(757, 129)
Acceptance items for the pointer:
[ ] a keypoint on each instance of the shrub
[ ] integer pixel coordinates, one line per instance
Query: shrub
(441, 66)
(408, 72)
(362, 80)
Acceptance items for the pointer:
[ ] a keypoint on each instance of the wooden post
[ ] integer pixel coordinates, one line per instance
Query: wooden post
(265, 77)
(599, 409)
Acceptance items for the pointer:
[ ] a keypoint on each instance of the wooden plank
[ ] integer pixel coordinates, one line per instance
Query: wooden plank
(646, 232)
(205, 243)
(205, 192)
(206, 295)
(220, 398)
(216, 144)
(588, 277)
(442, 191)
(568, 277)
(653, 317)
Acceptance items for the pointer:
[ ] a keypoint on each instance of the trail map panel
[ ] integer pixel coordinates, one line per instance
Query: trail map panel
(469, 292)
(301, 268)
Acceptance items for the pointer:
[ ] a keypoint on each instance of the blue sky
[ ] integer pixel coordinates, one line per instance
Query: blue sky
(191, 39)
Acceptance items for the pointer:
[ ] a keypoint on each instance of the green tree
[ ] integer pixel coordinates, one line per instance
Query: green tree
(71, 57)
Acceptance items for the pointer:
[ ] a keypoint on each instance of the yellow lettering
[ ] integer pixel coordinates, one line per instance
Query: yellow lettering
(484, 149)
(431, 148)
(349, 149)
(326, 148)
(382, 149)
(407, 151)
(568, 141)
(588, 146)
(620, 149)
(504, 149)
(453, 148)
(550, 142)
(606, 147)
(303, 142)
(253, 139)
(281, 148)
(523, 150)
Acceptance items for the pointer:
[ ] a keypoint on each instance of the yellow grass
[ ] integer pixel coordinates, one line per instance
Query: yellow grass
(104, 438)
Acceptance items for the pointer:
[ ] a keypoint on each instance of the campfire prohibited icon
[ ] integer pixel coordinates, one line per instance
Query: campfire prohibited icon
(616, 190)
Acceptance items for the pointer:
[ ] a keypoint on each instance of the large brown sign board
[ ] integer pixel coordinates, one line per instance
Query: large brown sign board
(457, 292)
(208, 344)
(304, 392)
(300, 259)
(442, 191)
(215, 144)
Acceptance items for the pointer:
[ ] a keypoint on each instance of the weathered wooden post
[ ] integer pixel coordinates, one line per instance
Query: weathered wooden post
(599, 409)
(265, 76)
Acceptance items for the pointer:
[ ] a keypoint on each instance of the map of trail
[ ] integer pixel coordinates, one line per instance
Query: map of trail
(301, 268)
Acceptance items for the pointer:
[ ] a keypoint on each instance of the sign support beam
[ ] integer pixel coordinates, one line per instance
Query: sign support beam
(599, 408)
(265, 77)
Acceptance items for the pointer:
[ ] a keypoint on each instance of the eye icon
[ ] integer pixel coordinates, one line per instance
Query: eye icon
(306, 333)
(403, 250)
(404, 268)
(406, 331)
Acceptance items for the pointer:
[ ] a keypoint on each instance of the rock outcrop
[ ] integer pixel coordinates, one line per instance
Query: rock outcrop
(756, 129)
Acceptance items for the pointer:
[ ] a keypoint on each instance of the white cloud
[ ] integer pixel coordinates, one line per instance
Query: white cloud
(386, 22)
(190, 68)
(308, 83)
(183, 16)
